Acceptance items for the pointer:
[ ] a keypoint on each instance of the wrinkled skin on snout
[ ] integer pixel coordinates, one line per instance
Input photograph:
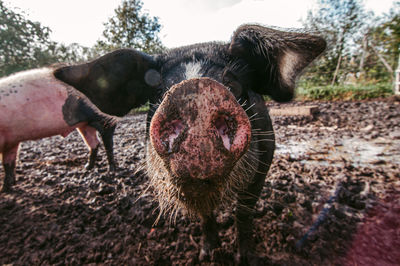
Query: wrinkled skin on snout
(210, 140)
(34, 105)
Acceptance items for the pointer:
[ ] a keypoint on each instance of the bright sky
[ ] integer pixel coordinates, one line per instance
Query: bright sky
(184, 21)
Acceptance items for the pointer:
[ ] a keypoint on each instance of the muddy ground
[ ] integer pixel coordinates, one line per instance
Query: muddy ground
(346, 158)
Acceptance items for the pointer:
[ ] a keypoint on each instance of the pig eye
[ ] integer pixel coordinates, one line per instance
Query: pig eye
(230, 81)
(235, 88)
(170, 132)
(225, 129)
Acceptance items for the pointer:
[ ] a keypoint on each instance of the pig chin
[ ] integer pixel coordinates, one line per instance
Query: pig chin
(195, 196)
(201, 191)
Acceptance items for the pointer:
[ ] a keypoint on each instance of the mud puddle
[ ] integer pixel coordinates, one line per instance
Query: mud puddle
(61, 214)
(357, 151)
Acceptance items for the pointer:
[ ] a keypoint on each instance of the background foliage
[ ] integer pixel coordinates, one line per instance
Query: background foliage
(25, 44)
(363, 49)
(131, 28)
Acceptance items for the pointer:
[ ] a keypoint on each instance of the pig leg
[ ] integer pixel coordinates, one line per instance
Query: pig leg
(107, 134)
(210, 239)
(88, 134)
(9, 159)
(247, 200)
(107, 137)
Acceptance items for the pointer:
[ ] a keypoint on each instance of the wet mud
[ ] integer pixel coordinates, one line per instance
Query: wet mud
(343, 161)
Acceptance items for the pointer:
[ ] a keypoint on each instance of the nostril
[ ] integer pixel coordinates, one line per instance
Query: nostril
(224, 128)
(170, 132)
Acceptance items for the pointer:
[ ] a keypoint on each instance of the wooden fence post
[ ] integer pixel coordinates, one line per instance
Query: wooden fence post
(397, 79)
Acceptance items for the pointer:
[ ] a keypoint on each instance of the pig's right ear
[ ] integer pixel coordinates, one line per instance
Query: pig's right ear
(275, 58)
(125, 74)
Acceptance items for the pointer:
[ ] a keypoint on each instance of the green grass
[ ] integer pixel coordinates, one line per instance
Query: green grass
(142, 109)
(328, 93)
(345, 92)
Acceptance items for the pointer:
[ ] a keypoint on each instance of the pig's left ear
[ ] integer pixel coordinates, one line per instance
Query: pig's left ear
(276, 58)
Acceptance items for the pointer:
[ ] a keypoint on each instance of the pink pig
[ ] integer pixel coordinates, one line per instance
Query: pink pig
(34, 105)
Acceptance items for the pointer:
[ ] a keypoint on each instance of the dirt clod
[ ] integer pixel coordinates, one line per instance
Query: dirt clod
(59, 213)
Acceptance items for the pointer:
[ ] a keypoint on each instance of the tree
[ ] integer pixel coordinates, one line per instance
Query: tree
(22, 42)
(71, 53)
(25, 44)
(131, 28)
(382, 45)
(340, 22)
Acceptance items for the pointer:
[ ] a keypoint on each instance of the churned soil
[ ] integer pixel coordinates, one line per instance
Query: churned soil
(343, 162)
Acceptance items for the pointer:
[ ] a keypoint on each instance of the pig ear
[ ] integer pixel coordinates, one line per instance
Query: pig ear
(116, 82)
(276, 58)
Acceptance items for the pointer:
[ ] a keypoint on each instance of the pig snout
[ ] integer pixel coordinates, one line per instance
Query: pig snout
(200, 130)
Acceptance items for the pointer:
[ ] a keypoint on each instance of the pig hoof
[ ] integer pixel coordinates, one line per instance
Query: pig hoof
(112, 168)
(250, 259)
(89, 166)
(6, 189)
(8, 183)
(204, 255)
(216, 255)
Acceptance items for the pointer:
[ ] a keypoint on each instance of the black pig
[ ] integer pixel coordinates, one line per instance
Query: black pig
(210, 139)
